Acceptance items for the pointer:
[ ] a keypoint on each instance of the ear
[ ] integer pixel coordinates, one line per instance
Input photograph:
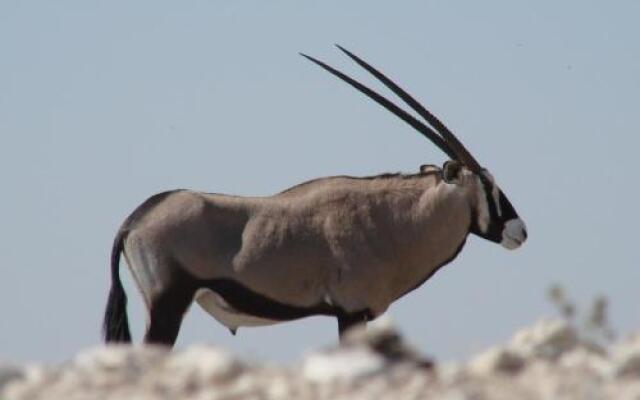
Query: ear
(427, 168)
(451, 171)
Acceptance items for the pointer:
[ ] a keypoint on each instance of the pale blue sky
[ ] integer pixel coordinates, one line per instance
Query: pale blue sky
(105, 103)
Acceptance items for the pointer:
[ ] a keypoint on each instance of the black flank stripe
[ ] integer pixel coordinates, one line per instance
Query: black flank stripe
(251, 303)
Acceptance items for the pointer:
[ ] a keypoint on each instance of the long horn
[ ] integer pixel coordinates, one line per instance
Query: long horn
(453, 142)
(386, 103)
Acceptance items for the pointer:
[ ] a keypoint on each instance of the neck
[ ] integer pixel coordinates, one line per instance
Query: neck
(439, 226)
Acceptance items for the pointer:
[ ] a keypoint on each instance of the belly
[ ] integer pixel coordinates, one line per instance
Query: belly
(226, 314)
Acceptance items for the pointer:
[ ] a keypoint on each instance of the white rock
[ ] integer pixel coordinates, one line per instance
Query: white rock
(449, 373)
(32, 375)
(381, 329)
(10, 373)
(116, 357)
(547, 339)
(372, 367)
(625, 358)
(583, 358)
(383, 338)
(346, 364)
(204, 363)
(497, 359)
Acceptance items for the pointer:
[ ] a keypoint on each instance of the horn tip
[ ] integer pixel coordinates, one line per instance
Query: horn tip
(308, 57)
(341, 48)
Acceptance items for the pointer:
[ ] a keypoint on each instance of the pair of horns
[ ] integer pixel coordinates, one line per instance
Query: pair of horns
(438, 133)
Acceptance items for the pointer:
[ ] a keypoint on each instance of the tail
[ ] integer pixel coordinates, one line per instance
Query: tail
(115, 327)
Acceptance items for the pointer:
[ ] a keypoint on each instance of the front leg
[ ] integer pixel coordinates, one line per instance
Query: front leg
(348, 320)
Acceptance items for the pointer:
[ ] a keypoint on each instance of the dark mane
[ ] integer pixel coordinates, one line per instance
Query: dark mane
(386, 175)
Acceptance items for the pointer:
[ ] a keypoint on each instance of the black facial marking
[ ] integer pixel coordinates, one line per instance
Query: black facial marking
(496, 222)
(508, 212)
(495, 225)
(488, 193)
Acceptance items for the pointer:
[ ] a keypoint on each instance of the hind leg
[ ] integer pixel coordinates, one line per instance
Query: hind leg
(166, 316)
(168, 309)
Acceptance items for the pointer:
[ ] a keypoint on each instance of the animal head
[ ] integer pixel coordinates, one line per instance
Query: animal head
(494, 218)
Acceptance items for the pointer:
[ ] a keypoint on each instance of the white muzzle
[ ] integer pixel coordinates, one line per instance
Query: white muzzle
(514, 234)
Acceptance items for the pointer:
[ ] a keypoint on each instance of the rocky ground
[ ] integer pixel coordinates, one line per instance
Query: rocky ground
(546, 361)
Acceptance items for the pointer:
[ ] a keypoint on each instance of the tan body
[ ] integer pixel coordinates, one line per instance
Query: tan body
(356, 243)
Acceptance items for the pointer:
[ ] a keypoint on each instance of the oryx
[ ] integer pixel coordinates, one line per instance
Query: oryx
(340, 246)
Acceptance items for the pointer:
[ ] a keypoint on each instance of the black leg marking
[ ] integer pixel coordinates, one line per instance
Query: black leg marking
(348, 320)
(163, 327)
(168, 309)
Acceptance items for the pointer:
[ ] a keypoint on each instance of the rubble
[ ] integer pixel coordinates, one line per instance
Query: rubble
(546, 361)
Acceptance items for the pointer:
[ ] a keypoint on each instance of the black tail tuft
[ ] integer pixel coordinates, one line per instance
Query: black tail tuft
(115, 327)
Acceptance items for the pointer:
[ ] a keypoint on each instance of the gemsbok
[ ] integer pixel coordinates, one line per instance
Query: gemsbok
(339, 246)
